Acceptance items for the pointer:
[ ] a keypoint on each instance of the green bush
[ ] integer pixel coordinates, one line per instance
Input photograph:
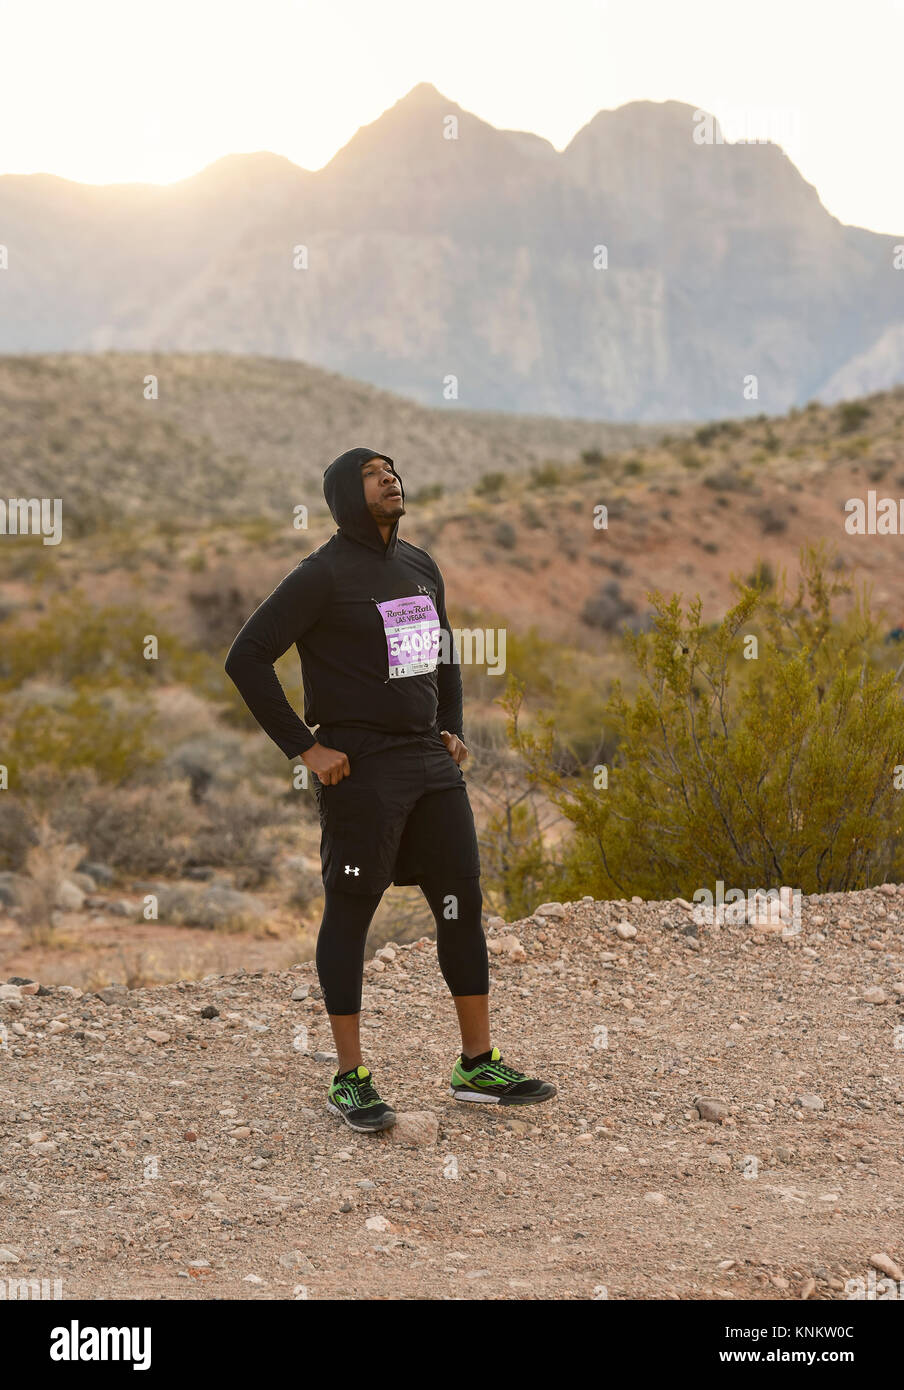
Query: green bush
(777, 770)
(851, 415)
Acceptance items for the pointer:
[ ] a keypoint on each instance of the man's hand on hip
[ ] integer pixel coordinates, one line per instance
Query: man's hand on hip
(454, 746)
(329, 764)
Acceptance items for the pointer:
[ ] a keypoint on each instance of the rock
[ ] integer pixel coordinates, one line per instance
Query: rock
(155, 1035)
(720, 1159)
(875, 996)
(709, 1109)
(656, 1199)
(9, 992)
(890, 889)
(209, 1011)
(415, 1129)
(626, 931)
(47, 1147)
(808, 1101)
(56, 1025)
(101, 873)
(326, 1057)
(69, 896)
(122, 907)
(13, 889)
(297, 994)
(807, 1288)
(296, 1259)
(112, 994)
(252, 1279)
(886, 1265)
(495, 923)
(386, 954)
(31, 988)
(549, 910)
(378, 1223)
(7, 1257)
(509, 947)
(240, 1132)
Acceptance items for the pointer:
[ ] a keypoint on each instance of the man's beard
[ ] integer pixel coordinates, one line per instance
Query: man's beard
(381, 513)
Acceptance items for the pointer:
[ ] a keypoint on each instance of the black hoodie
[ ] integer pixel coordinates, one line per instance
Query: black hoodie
(375, 668)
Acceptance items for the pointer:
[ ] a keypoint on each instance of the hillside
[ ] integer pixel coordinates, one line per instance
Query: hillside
(474, 258)
(173, 1142)
(187, 502)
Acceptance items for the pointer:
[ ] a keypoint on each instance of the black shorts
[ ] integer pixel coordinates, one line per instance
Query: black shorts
(401, 814)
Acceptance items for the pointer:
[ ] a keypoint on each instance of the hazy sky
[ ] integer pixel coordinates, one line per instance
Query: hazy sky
(109, 90)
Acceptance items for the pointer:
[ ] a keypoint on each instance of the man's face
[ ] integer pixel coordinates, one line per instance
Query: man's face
(381, 491)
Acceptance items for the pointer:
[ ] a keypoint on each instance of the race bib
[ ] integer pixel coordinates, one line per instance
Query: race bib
(412, 635)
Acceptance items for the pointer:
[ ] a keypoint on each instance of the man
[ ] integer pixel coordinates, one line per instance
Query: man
(367, 613)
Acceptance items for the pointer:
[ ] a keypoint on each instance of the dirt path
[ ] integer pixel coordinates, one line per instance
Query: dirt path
(148, 1151)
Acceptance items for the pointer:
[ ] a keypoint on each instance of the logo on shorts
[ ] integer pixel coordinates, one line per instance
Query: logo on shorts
(350, 870)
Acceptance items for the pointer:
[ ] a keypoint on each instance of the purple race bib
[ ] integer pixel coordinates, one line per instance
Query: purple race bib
(412, 635)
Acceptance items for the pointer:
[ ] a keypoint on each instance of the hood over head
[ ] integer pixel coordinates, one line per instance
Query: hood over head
(343, 488)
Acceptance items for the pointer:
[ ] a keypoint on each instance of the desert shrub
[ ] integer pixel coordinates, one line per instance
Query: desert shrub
(431, 493)
(547, 475)
(725, 480)
(760, 773)
(48, 862)
(851, 415)
(74, 641)
(137, 830)
(238, 831)
(771, 519)
(102, 731)
(608, 607)
(490, 484)
(215, 908)
(592, 458)
(505, 535)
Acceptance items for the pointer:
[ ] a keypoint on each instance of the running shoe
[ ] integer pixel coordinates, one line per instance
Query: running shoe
(492, 1081)
(352, 1096)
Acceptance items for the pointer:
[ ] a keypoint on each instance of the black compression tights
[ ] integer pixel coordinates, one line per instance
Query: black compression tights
(460, 943)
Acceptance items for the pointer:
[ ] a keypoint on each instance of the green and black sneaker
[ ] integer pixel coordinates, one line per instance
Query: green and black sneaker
(488, 1079)
(352, 1095)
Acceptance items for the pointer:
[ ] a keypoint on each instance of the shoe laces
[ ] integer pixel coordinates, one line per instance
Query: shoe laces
(365, 1090)
(508, 1071)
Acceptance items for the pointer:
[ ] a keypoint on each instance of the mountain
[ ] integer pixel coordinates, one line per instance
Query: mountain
(472, 257)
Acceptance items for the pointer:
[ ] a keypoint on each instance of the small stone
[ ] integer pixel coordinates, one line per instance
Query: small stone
(807, 1288)
(719, 1159)
(191, 1135)
(886, 1265)
(378, 1223)
(240, 1132)
(495, 923)
(655, 1199)
(555, 910)
(155, 1035)
(300, 993)
(326, 1057)
(414, 1129)
(708, 1109)
(626, 931)
(210, 1012)
(875, 996)
(386, 954)
(809, 1101)
(10, 992)
(56, 1025)
(7, 1257)
(366, 1184)
(252, 1279)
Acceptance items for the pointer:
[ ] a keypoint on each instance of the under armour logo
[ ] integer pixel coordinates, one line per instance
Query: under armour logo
(350, 870)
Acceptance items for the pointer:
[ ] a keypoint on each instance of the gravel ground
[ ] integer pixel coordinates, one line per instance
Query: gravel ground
(728, 1123)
